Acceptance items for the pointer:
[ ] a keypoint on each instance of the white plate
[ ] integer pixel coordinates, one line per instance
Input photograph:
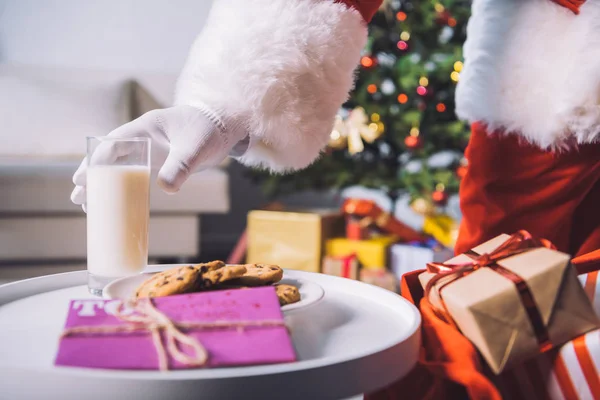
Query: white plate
(310, 292)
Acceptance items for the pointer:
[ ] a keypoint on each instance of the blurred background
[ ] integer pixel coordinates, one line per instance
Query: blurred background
(71, 69)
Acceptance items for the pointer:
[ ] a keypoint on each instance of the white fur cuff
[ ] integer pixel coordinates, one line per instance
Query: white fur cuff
(533, 67)
(283, 67)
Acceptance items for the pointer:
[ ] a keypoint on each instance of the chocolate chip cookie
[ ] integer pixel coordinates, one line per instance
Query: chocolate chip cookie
(211, 266)
(214, 277)
(287, 294)
(173, 281)
(260, 275)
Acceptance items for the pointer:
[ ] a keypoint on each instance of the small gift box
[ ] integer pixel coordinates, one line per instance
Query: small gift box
(371, 214)
(381, 278)
(511, 297)
(372, 253)
(591, 286)
(356, 228)
(442, 227)
(345, 267)
(293, 240)
(221, 328)
(407, 257)
(570, 372)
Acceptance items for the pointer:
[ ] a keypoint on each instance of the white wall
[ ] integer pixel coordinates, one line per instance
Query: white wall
(128, 35)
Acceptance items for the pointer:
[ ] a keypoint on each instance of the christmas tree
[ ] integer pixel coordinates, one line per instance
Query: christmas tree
(398, 131)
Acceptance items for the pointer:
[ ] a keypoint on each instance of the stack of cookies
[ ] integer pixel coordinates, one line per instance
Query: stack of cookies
(216, 275)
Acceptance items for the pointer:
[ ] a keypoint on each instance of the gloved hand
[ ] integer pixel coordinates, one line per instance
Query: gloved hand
(185, 140)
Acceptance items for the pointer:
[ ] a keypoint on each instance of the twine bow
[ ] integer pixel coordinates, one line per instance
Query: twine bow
(147, 317)
(518, 243)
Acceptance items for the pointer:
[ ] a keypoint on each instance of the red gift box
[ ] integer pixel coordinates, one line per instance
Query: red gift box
(356, 229)
(345, 267)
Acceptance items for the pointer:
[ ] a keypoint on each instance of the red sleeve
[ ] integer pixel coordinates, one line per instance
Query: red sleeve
(366, 8)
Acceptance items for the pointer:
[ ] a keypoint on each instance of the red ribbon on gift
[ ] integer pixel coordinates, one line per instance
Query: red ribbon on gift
(371, 212)
(346, 261)
(356, 228)
(587, 263)
(518, 243)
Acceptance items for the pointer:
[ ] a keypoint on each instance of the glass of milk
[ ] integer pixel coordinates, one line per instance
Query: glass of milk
(118, 186)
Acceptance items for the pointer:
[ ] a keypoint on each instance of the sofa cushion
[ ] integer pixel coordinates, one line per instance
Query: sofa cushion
(44, 186)
(48, 111)
(64, 237)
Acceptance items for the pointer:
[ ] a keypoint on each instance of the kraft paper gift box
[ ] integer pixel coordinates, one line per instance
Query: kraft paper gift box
(372, 253)
(259, 338)
(487, 307)
(345, 267)
(292, 240)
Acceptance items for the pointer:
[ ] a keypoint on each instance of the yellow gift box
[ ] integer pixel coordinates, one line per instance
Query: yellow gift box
(292, 240)
(442, 227)
(372, 253)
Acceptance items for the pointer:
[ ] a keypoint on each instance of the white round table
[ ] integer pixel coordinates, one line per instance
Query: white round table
(357, 339)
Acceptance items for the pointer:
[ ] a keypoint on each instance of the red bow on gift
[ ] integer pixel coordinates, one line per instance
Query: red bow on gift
(372, 213)
(518, 243)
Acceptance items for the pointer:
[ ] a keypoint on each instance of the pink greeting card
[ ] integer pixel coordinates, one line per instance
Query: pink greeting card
(235, 327)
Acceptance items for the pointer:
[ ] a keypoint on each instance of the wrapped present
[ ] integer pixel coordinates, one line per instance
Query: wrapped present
(512, 297)
(150, 333)
(381, 278)
(570, 372)
(345, 267)
(406, 257)
(356, 228)
(591, 286)
(371, 214)
(293, 240)
(372, 253)
(441, 227)
(588, 266)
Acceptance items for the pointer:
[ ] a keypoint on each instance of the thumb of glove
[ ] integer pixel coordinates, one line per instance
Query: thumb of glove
(173, 173)
(198, 146)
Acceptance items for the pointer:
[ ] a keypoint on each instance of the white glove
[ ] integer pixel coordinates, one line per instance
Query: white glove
(185, 140)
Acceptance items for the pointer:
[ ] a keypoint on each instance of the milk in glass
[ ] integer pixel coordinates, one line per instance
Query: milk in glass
(117, 219)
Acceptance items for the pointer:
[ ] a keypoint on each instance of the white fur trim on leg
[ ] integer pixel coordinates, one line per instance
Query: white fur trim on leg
(533, 67)
(284, 67)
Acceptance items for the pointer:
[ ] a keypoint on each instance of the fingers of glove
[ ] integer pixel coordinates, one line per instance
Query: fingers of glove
(78, 196)
(208, 150)
(80, 177)
(114, 145)
(173, 173)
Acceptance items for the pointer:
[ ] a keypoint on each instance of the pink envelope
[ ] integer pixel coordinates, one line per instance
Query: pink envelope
(225, 346)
